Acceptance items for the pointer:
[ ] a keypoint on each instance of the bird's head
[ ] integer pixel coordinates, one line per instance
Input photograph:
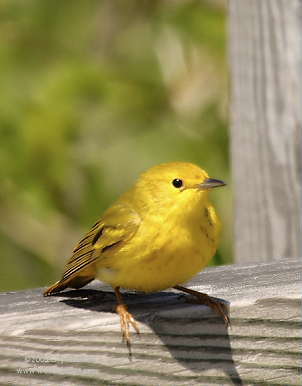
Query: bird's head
(167, 185)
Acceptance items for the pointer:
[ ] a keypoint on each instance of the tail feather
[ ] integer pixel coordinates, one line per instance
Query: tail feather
(76, 282)
(56, 287)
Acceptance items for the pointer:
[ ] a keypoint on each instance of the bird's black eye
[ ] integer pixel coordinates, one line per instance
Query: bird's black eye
(177, 183)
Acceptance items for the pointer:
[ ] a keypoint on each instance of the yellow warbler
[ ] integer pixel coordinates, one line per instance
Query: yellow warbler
(155, 236)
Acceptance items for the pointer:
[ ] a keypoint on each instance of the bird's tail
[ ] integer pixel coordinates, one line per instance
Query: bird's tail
(76, 282)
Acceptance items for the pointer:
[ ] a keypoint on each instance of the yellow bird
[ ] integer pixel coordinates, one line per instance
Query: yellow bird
(156, 236)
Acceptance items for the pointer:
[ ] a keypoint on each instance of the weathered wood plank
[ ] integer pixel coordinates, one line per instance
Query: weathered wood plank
(266, 126)
(74, 337)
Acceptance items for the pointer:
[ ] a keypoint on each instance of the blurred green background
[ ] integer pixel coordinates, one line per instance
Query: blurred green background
(92, 93)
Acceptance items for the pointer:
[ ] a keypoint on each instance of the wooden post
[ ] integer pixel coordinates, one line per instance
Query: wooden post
(266, 90)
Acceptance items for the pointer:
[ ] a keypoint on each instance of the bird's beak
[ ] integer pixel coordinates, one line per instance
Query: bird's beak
(210, 183)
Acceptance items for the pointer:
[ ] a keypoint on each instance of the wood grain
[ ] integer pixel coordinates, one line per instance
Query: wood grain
(74, 338)
(266, 123)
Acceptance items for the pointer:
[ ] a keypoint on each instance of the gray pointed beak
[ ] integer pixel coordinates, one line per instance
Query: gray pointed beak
(211, 183)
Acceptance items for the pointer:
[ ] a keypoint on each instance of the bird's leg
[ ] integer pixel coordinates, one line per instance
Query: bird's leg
(126, 319)
(215, 304)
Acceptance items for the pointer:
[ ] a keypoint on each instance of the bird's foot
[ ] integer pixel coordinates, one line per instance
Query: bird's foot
(217, 305)
(126, 320)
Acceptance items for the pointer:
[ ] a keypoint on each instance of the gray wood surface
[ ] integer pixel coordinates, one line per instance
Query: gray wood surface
(266, 123)
(73, 338)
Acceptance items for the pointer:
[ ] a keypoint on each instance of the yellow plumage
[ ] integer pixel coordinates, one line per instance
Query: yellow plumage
(157, 235)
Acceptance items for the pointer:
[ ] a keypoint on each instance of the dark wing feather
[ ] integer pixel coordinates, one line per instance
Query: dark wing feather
(118, 225)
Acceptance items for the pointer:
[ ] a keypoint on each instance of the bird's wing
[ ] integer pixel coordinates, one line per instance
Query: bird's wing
(118, 225)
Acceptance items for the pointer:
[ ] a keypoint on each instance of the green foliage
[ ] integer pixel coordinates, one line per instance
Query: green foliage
(92, 93)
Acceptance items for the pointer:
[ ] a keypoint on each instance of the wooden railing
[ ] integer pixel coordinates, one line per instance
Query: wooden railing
(74, 338)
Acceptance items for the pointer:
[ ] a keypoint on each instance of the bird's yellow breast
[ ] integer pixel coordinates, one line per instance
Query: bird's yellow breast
(163, 252)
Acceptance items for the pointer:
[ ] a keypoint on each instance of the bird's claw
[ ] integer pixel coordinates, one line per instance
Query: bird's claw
(126, 320)
(216, 305)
